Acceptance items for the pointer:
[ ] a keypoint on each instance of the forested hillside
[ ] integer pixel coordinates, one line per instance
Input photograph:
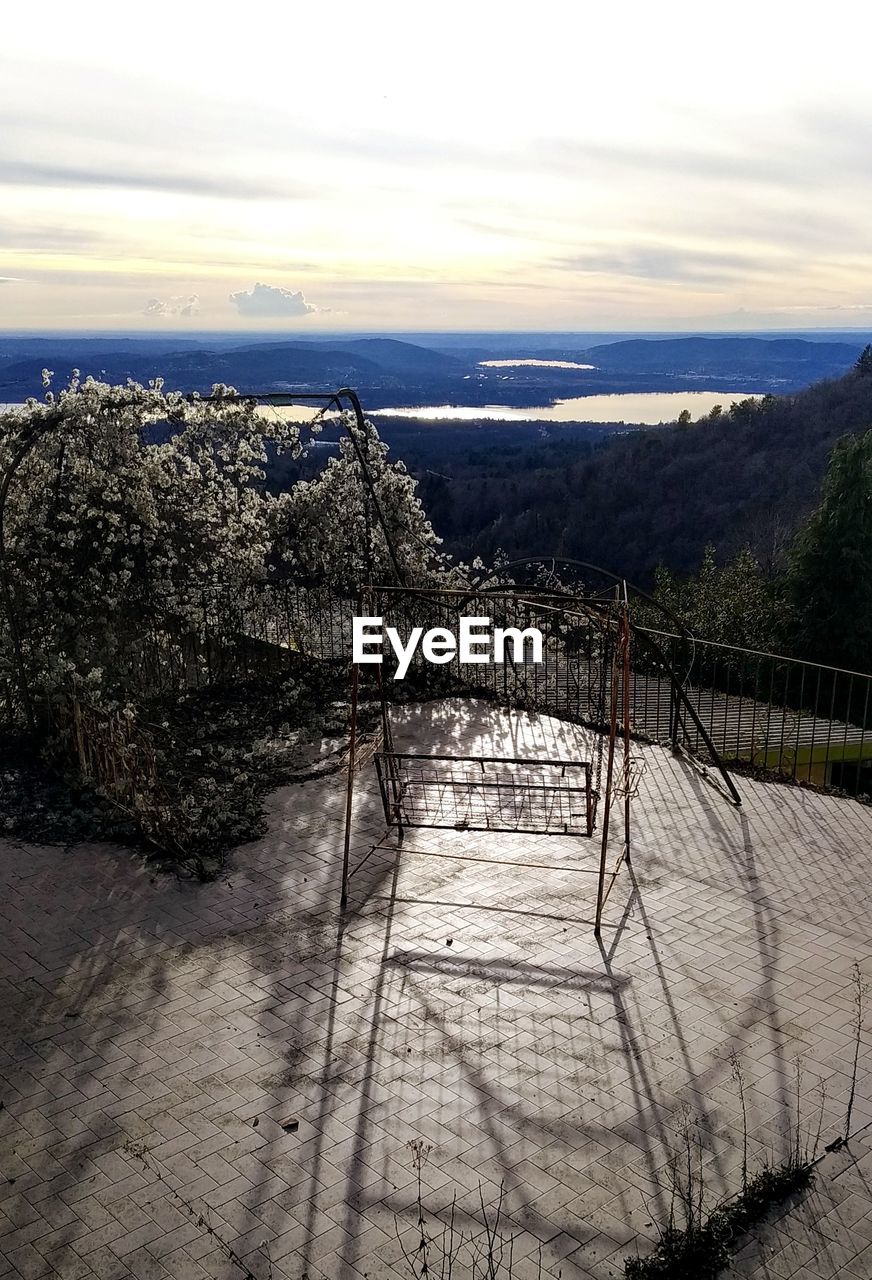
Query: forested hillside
(746, 476)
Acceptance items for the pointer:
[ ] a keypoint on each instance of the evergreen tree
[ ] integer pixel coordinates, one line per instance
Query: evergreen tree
(864, 361)
(830, 572)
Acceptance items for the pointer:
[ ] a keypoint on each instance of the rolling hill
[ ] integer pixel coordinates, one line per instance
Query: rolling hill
(767, 358)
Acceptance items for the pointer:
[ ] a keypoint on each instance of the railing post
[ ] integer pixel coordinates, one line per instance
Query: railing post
(674, 719)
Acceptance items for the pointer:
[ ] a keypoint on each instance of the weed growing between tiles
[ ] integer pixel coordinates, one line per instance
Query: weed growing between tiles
(199, 1215)
(481, 1250)
(698, 1243)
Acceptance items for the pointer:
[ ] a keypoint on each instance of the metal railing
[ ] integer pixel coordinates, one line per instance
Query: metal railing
(796, 719)
(231, 637)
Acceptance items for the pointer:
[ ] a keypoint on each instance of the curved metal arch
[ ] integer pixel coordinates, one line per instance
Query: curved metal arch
(336, 398)
(606, 573)
(329, 398)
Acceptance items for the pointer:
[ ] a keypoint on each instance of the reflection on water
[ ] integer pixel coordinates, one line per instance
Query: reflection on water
(294, 412)
(648, 408)
(533, 364)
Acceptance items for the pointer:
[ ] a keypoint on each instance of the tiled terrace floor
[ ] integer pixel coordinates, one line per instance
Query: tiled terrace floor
(158, 1035)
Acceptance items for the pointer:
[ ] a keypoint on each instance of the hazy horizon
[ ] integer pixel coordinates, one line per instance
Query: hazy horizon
(283, 335)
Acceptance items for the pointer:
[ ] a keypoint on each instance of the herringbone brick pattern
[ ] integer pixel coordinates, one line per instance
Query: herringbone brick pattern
(214, 1080)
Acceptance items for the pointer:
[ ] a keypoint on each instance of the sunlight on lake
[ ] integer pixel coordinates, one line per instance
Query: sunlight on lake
(647, 408)
(532, 364)
(644, 408)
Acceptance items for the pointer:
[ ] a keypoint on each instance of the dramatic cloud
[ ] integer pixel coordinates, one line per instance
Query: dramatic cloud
(266, 300)
(179, 306)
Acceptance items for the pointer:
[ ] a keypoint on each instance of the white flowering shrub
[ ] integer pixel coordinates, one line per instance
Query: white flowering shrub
(327, 529)
(136, 526)
(111, 539)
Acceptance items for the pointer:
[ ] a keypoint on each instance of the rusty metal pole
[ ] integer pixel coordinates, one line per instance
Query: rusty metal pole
(674, 701)
(349, 787)
(349, 782)
(626, 628)
(589, 799)
(613, 733)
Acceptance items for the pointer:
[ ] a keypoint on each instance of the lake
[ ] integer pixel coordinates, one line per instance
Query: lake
(649, 408)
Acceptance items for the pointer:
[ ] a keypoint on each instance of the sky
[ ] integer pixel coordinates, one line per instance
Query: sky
(396, 166)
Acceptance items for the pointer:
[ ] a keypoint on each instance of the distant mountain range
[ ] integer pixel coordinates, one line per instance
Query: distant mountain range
(257, 367)
(390, 371)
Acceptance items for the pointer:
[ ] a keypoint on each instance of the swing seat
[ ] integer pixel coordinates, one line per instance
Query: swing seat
(487, 793)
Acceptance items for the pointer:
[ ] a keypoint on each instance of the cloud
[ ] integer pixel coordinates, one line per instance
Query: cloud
(231, 186)
(51, 237)
(178, 306)
(840, 306)
(271, 300)
(661, 262)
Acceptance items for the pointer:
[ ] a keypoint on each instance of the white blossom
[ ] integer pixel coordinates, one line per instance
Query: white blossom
(139, 517)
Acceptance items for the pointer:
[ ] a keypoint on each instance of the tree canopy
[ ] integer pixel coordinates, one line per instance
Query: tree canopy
(829, 578)
(734, 604)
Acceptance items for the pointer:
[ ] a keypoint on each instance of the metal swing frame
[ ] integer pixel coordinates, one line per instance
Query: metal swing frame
(620, 783)
(456, 792)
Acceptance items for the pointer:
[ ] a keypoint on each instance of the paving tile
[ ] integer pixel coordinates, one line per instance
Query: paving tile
(524, 1055)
